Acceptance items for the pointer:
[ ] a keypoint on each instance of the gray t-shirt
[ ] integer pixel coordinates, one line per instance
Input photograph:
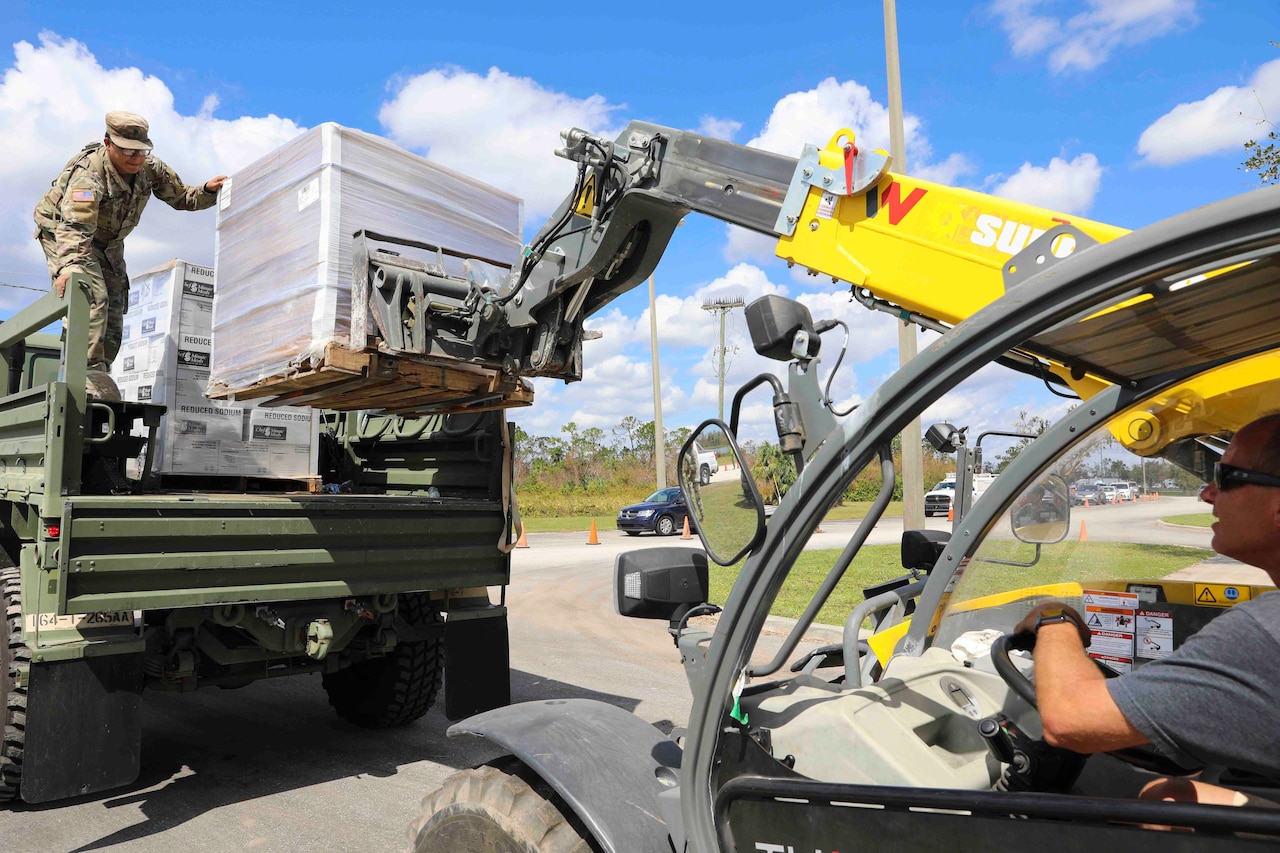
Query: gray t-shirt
(1216, 700)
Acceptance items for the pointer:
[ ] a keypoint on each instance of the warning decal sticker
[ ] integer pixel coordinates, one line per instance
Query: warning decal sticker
(1154, 636)
(1111, 617)
(1220, 594)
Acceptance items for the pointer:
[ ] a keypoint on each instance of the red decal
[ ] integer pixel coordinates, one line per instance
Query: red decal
(850, 151)
(892, 199)
(1061, 221)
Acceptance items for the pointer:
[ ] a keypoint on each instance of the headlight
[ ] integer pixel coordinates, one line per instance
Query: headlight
(644, 513)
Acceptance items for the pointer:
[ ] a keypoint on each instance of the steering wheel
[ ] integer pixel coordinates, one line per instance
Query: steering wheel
(1144, 757)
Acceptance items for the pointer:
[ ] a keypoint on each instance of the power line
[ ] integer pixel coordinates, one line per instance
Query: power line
(24, 287)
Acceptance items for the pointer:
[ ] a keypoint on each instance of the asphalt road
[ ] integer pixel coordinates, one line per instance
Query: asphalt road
(270, 767)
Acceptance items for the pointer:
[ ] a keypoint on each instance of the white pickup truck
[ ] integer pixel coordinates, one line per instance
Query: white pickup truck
(938, 500)
(708, 464)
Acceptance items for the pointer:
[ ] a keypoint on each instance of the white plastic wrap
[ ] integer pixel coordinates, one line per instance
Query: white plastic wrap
(164, 358)
(284, 242)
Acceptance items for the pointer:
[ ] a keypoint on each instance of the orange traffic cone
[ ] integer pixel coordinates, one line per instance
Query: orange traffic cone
(1086, 503)
(1084, 534)
(523, 541)
(594, 538)
(686, 534)
(951, 512)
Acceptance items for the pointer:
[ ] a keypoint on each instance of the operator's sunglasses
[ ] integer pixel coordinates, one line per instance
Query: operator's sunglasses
(1229, 476)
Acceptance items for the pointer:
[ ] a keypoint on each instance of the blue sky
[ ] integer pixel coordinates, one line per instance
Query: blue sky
(1126, 111)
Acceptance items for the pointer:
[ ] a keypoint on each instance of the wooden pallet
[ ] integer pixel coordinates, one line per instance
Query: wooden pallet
(400, 384)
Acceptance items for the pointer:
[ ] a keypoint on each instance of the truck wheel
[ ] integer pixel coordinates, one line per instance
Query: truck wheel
(401, 686)
(704, 475)
(666, 526)
(497, 808)
(15, 657)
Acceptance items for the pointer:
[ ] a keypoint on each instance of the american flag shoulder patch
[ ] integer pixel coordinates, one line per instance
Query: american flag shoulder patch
(82, 195)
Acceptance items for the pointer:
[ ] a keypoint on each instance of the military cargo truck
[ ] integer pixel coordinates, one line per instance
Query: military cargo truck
(375, 575)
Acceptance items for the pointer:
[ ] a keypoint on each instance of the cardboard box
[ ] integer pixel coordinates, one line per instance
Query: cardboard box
(284, 242)
(164, 358)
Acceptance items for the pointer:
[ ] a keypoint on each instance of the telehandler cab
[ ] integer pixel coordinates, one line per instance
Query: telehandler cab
(913, 737)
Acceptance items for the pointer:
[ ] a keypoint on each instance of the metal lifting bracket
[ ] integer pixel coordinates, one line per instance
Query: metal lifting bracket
(862, 169)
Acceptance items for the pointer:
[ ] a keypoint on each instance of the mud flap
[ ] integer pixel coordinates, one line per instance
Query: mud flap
(84, 727)
(477, 663)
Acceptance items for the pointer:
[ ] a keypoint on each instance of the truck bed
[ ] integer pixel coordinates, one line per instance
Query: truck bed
(185, 549)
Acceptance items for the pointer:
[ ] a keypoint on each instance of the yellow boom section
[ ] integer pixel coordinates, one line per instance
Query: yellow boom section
(941, 252)
(932, 249)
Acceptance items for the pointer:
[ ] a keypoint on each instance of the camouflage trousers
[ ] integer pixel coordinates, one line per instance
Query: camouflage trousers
(109, 300)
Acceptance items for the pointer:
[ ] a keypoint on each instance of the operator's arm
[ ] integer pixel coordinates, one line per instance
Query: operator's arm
(1076, 709)
(169, 188)
(73, 234)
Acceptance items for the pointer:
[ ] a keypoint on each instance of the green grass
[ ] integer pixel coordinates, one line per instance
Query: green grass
(1076, 561)
(569, 524)
(1199, 519)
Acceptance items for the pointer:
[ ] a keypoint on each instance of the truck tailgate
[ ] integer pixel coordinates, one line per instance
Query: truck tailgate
(137, 553)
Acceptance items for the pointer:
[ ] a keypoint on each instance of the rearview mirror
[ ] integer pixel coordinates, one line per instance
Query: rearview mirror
(659, 583)
(1042, 514)
(722, 499)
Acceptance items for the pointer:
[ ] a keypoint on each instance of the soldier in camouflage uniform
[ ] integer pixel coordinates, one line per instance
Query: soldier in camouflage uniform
(81, 222)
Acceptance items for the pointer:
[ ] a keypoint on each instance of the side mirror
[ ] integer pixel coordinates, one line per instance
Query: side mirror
(725, 505)
(1042, 514)
(659, 583)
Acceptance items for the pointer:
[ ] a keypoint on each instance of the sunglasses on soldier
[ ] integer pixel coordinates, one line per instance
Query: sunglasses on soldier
(133, 152)
(1229, 476)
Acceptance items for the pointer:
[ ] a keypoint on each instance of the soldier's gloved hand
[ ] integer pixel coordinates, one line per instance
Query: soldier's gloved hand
(60, 284)
(1050, 612)
(214, 184)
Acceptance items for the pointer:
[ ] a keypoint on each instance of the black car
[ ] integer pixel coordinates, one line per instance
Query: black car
(663, 513)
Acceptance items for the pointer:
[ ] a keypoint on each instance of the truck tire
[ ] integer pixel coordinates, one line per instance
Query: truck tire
(665, 526)
(15, 658)
(704, 475)
(500, 807)
(401, 686)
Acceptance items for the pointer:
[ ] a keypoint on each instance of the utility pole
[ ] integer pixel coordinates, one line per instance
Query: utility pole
(659, 439)
(722, 307)
(912, 452)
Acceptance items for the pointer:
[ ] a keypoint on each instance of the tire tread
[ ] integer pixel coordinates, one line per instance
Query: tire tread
(13, 699)
(516, 803)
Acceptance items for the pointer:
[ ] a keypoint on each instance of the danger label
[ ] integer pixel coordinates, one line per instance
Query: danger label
(1120, 665)
(1111, 644)
(1109, 619)
(1153, 637)
(1117, 600)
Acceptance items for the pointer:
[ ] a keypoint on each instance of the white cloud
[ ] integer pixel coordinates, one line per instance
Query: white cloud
(720, 128)
(52, 102)
(744, 245)
(948, 172)
(1221, 121)
(1068, 186)
(1086, 40)
(813, 115)
(991, 399)
(496, 127)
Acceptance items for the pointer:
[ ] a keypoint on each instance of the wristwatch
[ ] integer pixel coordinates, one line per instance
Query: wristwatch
(1053, 616)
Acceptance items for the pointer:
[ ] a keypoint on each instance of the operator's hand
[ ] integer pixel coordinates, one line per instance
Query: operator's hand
(214, 184)
(1049, 609)
(60, 284)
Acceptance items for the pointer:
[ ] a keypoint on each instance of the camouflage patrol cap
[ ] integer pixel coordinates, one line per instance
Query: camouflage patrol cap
(128, 130)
